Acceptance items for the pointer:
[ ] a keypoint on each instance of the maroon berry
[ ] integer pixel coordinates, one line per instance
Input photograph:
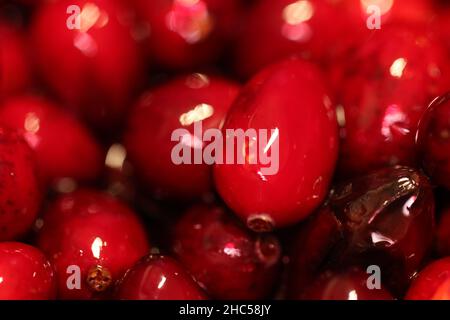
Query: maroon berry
(95, 233)
(228, 261)
(443, 233)
(158, 278)
(25, 273)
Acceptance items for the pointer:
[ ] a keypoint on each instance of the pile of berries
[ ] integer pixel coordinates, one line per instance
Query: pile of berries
(117, 179)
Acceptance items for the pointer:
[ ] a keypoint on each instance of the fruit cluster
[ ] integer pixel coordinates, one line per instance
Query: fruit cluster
(108, 191)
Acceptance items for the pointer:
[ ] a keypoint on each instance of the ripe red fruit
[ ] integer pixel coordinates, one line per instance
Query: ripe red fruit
(227, 260)
(384, 92)
(20, 194)
(290, 101)
(384, 219)
(15, 69)
(25, 272)
(350, 284)
(433, 141)
(93, 69)
(96, 233)
(158, 278)
(432, 283)
(188, 33)
(177, 104)
(63, 146)
(443, 233)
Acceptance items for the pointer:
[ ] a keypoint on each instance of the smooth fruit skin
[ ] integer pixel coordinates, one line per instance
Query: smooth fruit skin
(350, 284)
(20, 192)
(95, 232)
(227, 260)
(94, 69)
(384, 92)
(158, 278)
(25, 272)
(64, 148)
(290, 101)
(174, 105)
(15, 69)
(443, 234)
(432, 283)
(183, 34)
(433, 141)
(384, 219)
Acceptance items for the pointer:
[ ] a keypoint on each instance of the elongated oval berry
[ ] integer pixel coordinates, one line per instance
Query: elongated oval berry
(227, 260)
(64, 148)
(433, 141)
(25, 272)
(432, 283)
(280, 147)
(20, 192)
(151, 137)
(91, 237)
(158, 278)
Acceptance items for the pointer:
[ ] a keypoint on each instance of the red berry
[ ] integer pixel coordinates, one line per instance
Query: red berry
(95, 233)
(63, 146)
(95, 68)
(188, 33)
(20, 194)
(432, 283)
(15, 70)
(178, 104)
(433, 141)
(25, 273)
(443, 234)
(351, 284)
(384, 93)
(290, 102)
(225, 258)
(158, 278)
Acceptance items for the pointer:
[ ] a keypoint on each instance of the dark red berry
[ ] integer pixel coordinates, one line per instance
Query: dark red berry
(443, 234)
(25, 273)
(288, 107)
(96, 233)
(158, 278)
(228, 261)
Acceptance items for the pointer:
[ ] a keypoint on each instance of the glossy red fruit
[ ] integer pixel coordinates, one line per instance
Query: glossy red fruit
(94, 68)
(25, 272)
(384, 92)
(290, 102)
(188, 33)
(384, 219)
(433, 141)
(15, 69)
(228, 261)
(98, 234)
(432, 283)
(20, 193)
(158, 278)
(351, 284)
(179, 104)
(63, 146)
(443, 233)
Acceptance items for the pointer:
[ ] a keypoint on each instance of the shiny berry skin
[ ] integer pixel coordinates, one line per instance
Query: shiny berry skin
(158, 278)
(290, 102)
(177, 104)
(95, 232)
(350, 284)
(25, 272)
(385, 219)
(384, 92)
(20, 192)
(443, 233)
(432, 283)
(227, 260)
(433, 141)
(15, 69)
(94, 69)
(184, 33)
(63, 146)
